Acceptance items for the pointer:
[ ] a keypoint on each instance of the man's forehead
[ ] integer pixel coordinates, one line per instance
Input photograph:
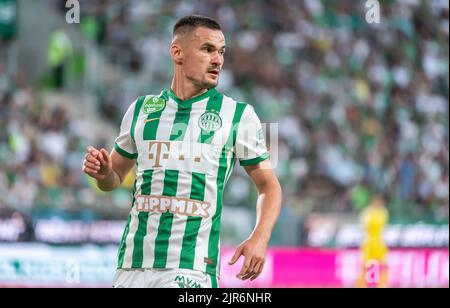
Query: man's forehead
(205, 35)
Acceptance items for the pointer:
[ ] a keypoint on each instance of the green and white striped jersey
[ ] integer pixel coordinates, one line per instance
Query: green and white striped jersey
(185, 152)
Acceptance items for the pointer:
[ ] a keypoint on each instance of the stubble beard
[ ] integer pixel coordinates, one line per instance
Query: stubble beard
(204, 84)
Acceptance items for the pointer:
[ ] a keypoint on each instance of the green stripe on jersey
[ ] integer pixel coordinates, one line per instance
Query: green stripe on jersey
(123, 242)
(151, 126)
(165, 222)
(214, 105)
(138, 251)
(213, 245)
(214, 284)
(187, 255)
(180, 123)
(231, 164)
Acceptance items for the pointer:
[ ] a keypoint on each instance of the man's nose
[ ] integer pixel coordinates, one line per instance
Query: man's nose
(217, 59)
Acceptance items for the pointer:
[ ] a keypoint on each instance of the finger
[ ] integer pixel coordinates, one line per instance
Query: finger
(236, 256)
(90, 171)
(247, 276)
(258, 270)
(101, 159)
(244, 268)
(105, 156)
(93, 151)
(91, 165)
(250, 271)
(91, 159)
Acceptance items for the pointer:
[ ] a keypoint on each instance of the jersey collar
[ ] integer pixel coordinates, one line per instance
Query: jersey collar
(192, 100)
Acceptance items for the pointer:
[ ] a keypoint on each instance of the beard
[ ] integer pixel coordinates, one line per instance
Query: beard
(204, 84)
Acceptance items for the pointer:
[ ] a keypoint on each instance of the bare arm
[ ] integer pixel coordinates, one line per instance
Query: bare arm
(267, 210)
(108, 170)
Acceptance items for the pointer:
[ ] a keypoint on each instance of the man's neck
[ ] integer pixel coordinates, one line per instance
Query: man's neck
(185, 89)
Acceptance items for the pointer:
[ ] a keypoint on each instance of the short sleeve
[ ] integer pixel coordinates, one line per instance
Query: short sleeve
(250, 142)
(124, 143)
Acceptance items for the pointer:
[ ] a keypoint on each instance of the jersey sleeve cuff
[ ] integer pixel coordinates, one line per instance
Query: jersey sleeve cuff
(124, 153)
(254, 161)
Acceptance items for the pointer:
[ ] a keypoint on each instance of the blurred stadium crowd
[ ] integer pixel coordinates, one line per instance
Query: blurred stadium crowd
(361, 108)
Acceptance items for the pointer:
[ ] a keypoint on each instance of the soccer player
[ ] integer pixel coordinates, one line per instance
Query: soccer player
(374, 219)
(184, 143)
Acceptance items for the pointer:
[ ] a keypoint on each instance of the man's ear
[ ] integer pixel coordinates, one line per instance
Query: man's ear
(177, 53)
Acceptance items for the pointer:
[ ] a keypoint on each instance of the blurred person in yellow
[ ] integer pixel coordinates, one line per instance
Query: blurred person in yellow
(373, 249)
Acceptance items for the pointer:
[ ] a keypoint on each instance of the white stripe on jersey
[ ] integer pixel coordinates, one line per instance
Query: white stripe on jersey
(193, 130)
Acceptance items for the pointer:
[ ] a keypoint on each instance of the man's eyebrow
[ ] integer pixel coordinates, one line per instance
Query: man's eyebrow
(212, 46)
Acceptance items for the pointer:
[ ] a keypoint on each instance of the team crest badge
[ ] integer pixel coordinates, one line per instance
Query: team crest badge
(153, 104)
(210, 122)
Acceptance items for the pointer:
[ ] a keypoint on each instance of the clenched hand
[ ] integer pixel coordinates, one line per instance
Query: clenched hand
(97, 163)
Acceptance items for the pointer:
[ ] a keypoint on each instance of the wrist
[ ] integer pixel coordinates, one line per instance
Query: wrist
(108, 182)
(260, 235)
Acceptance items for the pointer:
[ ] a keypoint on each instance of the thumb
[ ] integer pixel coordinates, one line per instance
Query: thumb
(236, 256)
(104, 156)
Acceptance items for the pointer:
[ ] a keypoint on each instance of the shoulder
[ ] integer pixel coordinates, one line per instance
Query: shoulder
(149, 98)
(240, 105)
(138, 104)
(145, 98)
(241, 111)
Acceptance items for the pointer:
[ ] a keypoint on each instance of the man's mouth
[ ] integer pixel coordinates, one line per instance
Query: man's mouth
(214, 72)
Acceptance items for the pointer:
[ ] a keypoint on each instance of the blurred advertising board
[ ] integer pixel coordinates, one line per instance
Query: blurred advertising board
(335, 231)
(39, 265)
(61, 231)
(299, 267)
(320, 232)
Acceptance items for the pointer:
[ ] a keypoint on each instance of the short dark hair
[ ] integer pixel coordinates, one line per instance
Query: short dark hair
(192, 22)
